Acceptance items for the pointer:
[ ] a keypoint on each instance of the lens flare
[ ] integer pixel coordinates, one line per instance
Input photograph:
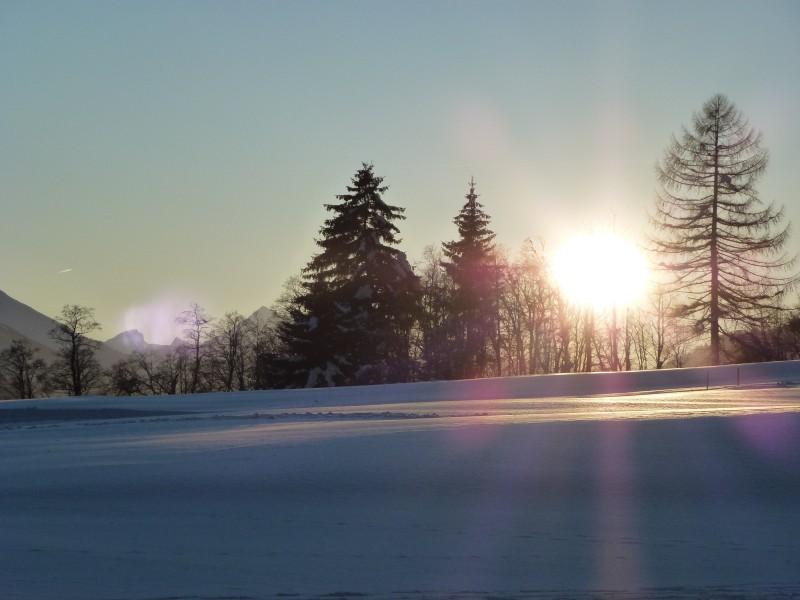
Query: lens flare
(156, 319)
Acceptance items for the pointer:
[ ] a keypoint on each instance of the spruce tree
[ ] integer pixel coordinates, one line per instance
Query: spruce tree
(351, 322)
(471, 265)
(721, 244)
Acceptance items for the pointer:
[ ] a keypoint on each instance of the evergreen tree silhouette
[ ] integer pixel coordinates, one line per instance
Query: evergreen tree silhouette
(351, 323)
(471, 265)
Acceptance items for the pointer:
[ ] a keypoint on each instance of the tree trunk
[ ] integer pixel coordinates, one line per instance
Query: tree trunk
(714, 304)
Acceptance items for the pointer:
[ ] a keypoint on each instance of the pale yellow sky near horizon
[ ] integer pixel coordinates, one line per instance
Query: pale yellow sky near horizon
(157, 154)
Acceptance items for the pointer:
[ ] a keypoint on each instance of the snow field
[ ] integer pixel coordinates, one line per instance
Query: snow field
(398, 494)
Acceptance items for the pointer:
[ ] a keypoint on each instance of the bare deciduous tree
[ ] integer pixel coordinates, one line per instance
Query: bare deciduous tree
(196, 326)
(124, 378)
(78, 370)
(230, 341)
(21, 372)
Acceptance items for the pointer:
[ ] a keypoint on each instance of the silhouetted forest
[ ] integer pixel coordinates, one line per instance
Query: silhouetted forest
(361, 313)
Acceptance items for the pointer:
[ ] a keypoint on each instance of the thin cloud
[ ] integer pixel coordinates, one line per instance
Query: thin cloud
(65, 271)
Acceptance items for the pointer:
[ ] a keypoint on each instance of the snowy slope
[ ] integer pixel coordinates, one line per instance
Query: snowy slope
(458, 490)
(504, 388)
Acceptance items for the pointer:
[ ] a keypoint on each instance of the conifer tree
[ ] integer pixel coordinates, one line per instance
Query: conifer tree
(722, 245)
(471, 265)
(351, 322)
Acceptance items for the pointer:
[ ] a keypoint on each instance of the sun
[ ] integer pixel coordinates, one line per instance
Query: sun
(601, 270)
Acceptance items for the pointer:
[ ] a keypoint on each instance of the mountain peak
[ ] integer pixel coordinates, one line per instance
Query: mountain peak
(262, 315)
(128, 341)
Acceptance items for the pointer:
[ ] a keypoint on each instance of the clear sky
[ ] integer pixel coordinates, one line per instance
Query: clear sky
(156, 153)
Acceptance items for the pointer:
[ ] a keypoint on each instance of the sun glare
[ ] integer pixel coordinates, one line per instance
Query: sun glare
(601, 270)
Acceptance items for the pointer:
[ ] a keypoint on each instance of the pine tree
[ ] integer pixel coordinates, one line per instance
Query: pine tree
(351, 322)
(471, 265)
(713, 233)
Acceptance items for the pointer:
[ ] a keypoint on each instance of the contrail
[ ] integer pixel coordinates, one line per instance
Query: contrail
(65, 271)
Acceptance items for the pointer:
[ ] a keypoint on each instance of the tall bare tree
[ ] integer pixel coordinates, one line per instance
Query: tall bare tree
(264, 346)
(196, 326)
(78, 370)
(435, 325)
(229, 345)
(173, 372)
(722, 245)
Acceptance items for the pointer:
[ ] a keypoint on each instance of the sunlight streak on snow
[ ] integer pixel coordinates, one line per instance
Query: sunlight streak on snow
(618, 561)
(469, 426)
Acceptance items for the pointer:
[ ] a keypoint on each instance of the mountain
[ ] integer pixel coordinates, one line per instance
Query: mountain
(128, 341)
(17, 320)
(8, 335)
(263, 316)
(133, 341)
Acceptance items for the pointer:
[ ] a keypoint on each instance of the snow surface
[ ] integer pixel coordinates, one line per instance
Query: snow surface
(479, 489)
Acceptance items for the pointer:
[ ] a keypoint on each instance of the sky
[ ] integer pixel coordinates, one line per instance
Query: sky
(154, 154)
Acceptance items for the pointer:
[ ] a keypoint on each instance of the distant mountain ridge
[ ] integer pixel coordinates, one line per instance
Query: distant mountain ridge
(18, 320)
(133, 341)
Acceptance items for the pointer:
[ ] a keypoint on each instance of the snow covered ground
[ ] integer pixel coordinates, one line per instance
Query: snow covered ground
(532, 487)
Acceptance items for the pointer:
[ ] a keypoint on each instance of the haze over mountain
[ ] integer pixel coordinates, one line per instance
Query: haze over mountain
(133, 341)
(17, 320)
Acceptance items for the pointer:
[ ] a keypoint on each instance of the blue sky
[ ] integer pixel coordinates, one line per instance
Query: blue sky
(158, 153)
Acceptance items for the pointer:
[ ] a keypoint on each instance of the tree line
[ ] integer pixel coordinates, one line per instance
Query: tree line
(361, 313)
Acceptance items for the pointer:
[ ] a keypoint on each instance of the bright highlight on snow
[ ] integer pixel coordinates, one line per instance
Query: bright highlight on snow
(601, 270)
